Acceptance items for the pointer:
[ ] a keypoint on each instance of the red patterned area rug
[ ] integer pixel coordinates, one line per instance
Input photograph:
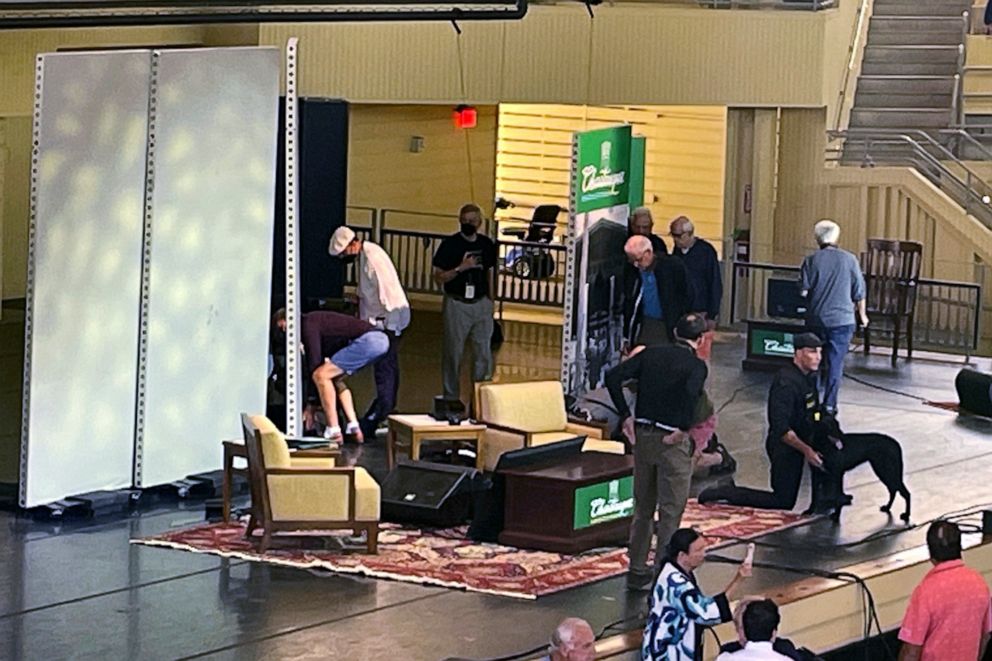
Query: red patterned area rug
(446, 558)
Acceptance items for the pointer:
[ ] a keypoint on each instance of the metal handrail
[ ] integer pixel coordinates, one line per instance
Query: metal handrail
(957, 101)
(852, 59)
(972, 192)
(927, 135)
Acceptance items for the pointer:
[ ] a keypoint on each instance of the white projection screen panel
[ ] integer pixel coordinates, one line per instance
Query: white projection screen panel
(213, 171)
(84, 274)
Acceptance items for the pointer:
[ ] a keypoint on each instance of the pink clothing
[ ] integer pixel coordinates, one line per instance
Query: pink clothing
(702, 433)
(705, 347)
(948, 613)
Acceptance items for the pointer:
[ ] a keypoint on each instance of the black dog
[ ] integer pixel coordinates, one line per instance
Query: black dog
(842, 452)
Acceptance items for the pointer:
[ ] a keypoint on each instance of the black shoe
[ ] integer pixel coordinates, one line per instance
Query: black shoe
(714, 494)
(368, 427)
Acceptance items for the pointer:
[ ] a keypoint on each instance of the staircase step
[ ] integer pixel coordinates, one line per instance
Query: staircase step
(918, 9)
(909, 69)
(912, 54)
(886, 37)
(906, 84)
(900, 117)
(917, 23)
(901, 100)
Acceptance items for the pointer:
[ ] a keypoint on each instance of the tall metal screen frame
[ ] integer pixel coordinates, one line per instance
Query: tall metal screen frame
(205, 322)
(84, 255)
(292, 243)
(567, 348)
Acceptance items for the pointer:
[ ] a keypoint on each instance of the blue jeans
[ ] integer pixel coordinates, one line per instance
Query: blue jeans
(361, 351)
(836, 341)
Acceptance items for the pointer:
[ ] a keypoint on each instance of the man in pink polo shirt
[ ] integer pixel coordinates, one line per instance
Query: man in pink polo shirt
(950, 613)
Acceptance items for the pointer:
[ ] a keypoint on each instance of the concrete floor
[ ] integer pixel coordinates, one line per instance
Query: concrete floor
(79, 590)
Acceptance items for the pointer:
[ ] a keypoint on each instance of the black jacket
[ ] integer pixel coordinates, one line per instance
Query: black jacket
(670, 381)
(792, 404)
(674, 293)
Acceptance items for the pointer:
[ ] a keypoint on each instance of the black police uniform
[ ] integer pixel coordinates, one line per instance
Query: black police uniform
(793, 403)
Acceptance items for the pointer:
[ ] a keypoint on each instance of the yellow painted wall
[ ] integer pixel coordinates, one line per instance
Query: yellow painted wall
(628, 54)
(456, 166)
(15, 188)
(684, 160)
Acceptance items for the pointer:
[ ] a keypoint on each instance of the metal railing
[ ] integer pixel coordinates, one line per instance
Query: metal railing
(532, 273)
(957, 100)
(947, 314)
(922, 152)
(527, 272)
(852, 59)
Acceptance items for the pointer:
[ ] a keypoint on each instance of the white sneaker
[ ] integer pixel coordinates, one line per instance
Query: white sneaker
(352, 428)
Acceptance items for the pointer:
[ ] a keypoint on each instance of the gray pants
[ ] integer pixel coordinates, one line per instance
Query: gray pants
(661, 482)
(466, 320)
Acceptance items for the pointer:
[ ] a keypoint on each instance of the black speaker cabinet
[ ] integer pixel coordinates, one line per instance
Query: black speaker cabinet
(427, 493)
(974, 391)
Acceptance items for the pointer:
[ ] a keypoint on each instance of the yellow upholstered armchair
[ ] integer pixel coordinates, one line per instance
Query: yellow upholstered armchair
(531, 413)
(293, 498)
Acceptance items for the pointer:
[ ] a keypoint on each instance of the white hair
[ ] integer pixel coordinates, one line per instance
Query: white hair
(827, 232)
(637, 245)
(642, 211)
(562, 637)
(685, 223)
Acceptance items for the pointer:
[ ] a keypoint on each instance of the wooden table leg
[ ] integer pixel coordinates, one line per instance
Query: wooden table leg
(480, 462)
(414, 446)
(391, 447)
(226, 484)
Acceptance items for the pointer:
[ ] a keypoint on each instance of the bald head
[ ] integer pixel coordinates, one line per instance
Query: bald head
(639, 252)
(573, 640)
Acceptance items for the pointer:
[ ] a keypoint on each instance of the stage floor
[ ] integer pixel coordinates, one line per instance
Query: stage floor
(80, 589)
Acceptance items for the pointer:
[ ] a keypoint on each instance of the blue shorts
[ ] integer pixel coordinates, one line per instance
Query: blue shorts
(361, 351)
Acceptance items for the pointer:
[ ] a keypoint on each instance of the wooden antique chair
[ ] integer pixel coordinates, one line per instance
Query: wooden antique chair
(892, 271)
(288, 498)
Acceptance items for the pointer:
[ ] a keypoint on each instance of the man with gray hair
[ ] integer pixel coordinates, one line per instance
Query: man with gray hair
(655, 298)
(642, 224)
(832, 283)
(703, 268)
(573, 640)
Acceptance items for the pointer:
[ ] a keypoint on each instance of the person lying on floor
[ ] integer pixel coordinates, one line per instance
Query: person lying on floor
(793, 407)
(335, 346)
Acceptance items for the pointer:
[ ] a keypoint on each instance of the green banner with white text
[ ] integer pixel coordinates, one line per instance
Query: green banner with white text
(603, 172)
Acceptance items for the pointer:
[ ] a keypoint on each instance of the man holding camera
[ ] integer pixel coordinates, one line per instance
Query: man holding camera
(464, 264)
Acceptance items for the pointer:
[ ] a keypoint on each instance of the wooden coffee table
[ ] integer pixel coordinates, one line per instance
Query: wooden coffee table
(409, 431)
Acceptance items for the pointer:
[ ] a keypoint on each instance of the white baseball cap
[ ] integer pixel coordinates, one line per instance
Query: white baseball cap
(340, 239)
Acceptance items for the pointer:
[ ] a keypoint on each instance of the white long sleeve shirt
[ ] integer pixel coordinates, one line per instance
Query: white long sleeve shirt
(381, 299)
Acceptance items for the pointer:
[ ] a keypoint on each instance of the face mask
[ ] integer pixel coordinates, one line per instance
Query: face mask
(348, 259)
(468, 229)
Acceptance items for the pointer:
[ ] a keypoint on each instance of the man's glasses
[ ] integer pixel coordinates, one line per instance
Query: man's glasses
(676, 235)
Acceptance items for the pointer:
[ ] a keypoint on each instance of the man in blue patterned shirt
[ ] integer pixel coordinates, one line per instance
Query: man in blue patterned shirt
(679, 609)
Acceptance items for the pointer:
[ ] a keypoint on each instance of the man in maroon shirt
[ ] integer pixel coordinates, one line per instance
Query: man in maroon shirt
(335, 346)
(949, 616)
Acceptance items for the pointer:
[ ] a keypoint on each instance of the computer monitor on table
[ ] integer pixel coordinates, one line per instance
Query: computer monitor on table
(547, 454)
(487, 518)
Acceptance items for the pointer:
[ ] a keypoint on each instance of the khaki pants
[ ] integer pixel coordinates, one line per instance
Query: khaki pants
(661, 483)
(472, 321)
